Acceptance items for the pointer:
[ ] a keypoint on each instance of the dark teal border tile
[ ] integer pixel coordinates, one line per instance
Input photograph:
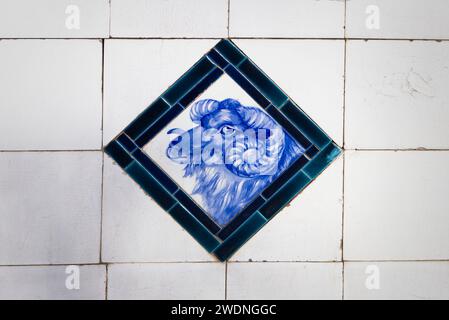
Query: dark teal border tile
(146, 118)
(230, 52)
(188, 80)
(200, 87)
(127, 143)
(241, 217)
(158, 125)
(240, 236)
(285, 176)
(247, 86)
(117, 152)
(155, 171)
(196, 211)
(217, 58)
(284, 195)
(322, 160)
(194, 227)
(305, 124)
(262, 83)
(150, 185)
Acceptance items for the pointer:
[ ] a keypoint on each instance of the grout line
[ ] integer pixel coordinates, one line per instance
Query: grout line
(344, 157)
(110, 17)
(236, 37)
(106, 283)
(34, 150)
(226, 280)
(216, 262)
(229, 12)
(345, 149)
(102, 154)
(396, 150)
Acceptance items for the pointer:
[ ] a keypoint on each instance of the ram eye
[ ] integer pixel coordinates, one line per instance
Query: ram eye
(227, 130)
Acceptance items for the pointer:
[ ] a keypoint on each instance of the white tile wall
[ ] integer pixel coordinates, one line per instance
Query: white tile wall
(51, 94)
(169, 18)
(133, 225)
(49, 282)
(286, 19)
(138, 71)
(402, 19)
(168, 281)
(69, 207)
(397, 94)
(397, 280)
(284, 280)
(50, 207)
(310, 72)
(309, 229)
(396, 205)
(54, 18)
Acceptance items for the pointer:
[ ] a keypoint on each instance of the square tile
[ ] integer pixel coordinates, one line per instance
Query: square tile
(240, 150)
(284, 280)
(49, 282)
(54, 18)
(396, 95)
(51, 94)
(286, 19)
(399, 19)
(166, 281)
(396, 205)
(398, 280)
(169, 18)
(50, 205)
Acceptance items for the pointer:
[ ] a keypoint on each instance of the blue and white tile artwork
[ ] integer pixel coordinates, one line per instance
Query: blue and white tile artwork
(223, 150)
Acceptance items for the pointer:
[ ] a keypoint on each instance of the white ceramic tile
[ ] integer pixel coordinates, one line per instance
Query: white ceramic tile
(286, 19)
(166, 281)
(292, 280)
(309, 229)
(397, 280)
(138, 71)
(396, 94)
(310, 72)
(50, 282)
(135, 228)
(396, 205)
(54, 18)
(169, 18)
(51, 94)
(408, 19)
(50, 207)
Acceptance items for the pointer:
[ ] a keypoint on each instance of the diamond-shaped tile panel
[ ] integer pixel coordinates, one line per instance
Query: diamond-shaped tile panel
(223, 150)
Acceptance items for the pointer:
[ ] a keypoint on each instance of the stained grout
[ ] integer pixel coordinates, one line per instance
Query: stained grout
(345, 149)
(102, 154)
(62, 150)
(228, 262)
(235, 37)
(229, 12)
(226, 281)
(344, 155)
(106, 282)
